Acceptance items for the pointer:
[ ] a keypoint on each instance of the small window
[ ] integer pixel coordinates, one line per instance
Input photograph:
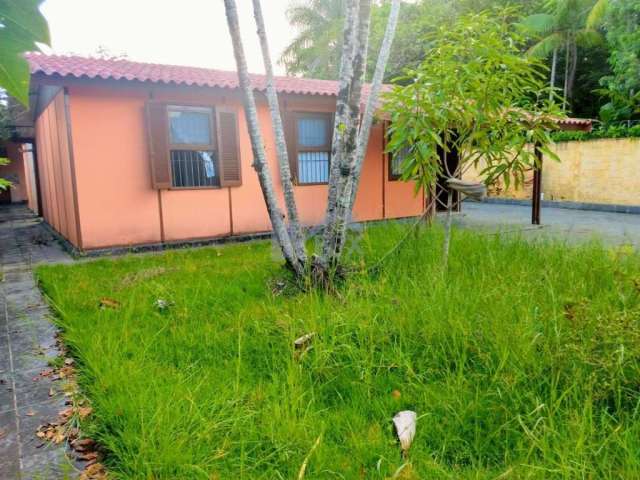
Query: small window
(193, 150)
(313, 147)
(395, 163)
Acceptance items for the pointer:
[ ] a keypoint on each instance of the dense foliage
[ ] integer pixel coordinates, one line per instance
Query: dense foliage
(620, 130)
(602, 37)
(564, 28)
(474, 94)
(622, 87)
(523, 361)
(22, 25)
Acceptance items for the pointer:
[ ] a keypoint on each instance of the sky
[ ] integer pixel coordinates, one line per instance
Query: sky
(178, 32)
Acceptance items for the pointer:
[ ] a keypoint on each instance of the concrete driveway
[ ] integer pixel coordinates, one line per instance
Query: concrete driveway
(573, 225)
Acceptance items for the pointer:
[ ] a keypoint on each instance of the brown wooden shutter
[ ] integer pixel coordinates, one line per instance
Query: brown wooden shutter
(228, 147)
(289, 125)
(157, 132)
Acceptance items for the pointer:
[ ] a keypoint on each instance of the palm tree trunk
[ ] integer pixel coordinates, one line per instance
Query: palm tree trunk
(342, 102)
(257, 145)
(566, 76)
(350, 173)
(372, 101)
(295, 229)
(572, 70)
(552, 82)
(345, 125)
(336, 221)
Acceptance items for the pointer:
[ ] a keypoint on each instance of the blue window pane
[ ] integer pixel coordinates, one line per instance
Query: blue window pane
(189, 127)
(313, 167)
(312, 132)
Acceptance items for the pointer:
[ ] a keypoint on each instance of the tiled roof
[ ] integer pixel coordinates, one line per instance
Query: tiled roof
(578, 122)
(117, 69)
(120, 69)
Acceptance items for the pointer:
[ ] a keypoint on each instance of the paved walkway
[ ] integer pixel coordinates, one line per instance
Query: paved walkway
(572, 225)
(27, 343)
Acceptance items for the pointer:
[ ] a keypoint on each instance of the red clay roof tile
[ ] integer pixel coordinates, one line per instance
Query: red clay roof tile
(118, 69)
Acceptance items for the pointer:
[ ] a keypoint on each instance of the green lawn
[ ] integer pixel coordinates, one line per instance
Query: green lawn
(522, 361)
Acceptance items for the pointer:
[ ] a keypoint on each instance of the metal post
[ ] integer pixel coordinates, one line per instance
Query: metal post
(536, 201)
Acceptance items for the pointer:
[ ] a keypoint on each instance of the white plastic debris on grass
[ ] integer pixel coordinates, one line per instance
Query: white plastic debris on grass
(304, 341)
(162, 304)
(405, 423)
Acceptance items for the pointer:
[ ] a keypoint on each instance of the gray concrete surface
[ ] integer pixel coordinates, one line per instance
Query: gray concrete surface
(27, 343)
(572, 225)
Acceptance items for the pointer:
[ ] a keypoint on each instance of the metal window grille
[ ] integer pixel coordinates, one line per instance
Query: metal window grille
(193, 168)
(313, 167)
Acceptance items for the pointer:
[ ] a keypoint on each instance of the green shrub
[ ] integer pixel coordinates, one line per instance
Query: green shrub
(613, 131)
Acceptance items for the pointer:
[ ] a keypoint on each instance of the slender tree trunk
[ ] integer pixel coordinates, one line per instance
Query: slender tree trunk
(257, 144)
(342, 102)
(333, 238)
(372, 101)
(336, 231)
(572, 70)
(342, 124)
(566, 76)
(295, 229)
(552, 82)
(447, 229)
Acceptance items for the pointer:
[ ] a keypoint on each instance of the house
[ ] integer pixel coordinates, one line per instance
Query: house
(128, 154)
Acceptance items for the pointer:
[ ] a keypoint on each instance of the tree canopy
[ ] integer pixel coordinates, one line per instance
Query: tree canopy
(475, 94)
(622, 87)
(22, 26)
(599, 37)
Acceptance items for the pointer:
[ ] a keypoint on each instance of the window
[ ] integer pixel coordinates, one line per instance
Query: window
(396, 160)
(395, 163)
(192, 148)
(313, 147)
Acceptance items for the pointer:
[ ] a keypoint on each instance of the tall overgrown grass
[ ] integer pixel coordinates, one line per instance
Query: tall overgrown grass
(522, 361)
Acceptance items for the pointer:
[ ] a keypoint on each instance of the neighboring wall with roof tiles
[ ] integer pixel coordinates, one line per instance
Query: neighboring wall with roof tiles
(605, 171)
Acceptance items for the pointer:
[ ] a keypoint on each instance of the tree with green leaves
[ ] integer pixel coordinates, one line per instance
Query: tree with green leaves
(22, 27)
(474, 96)
(316, 49)
(622, 87)
(352, 126)
(565, 25)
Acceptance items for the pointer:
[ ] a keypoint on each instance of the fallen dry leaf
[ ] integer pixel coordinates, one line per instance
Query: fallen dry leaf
(65, 372)
(83, 444)
(66, 413)
(95, 471)
(88, 456)
(84, 412)
(106, 302)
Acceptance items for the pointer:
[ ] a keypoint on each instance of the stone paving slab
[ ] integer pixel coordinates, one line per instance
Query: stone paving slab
(27, 343)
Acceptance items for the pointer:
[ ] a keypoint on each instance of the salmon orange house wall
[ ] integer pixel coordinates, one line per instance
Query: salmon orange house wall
(93, 158)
